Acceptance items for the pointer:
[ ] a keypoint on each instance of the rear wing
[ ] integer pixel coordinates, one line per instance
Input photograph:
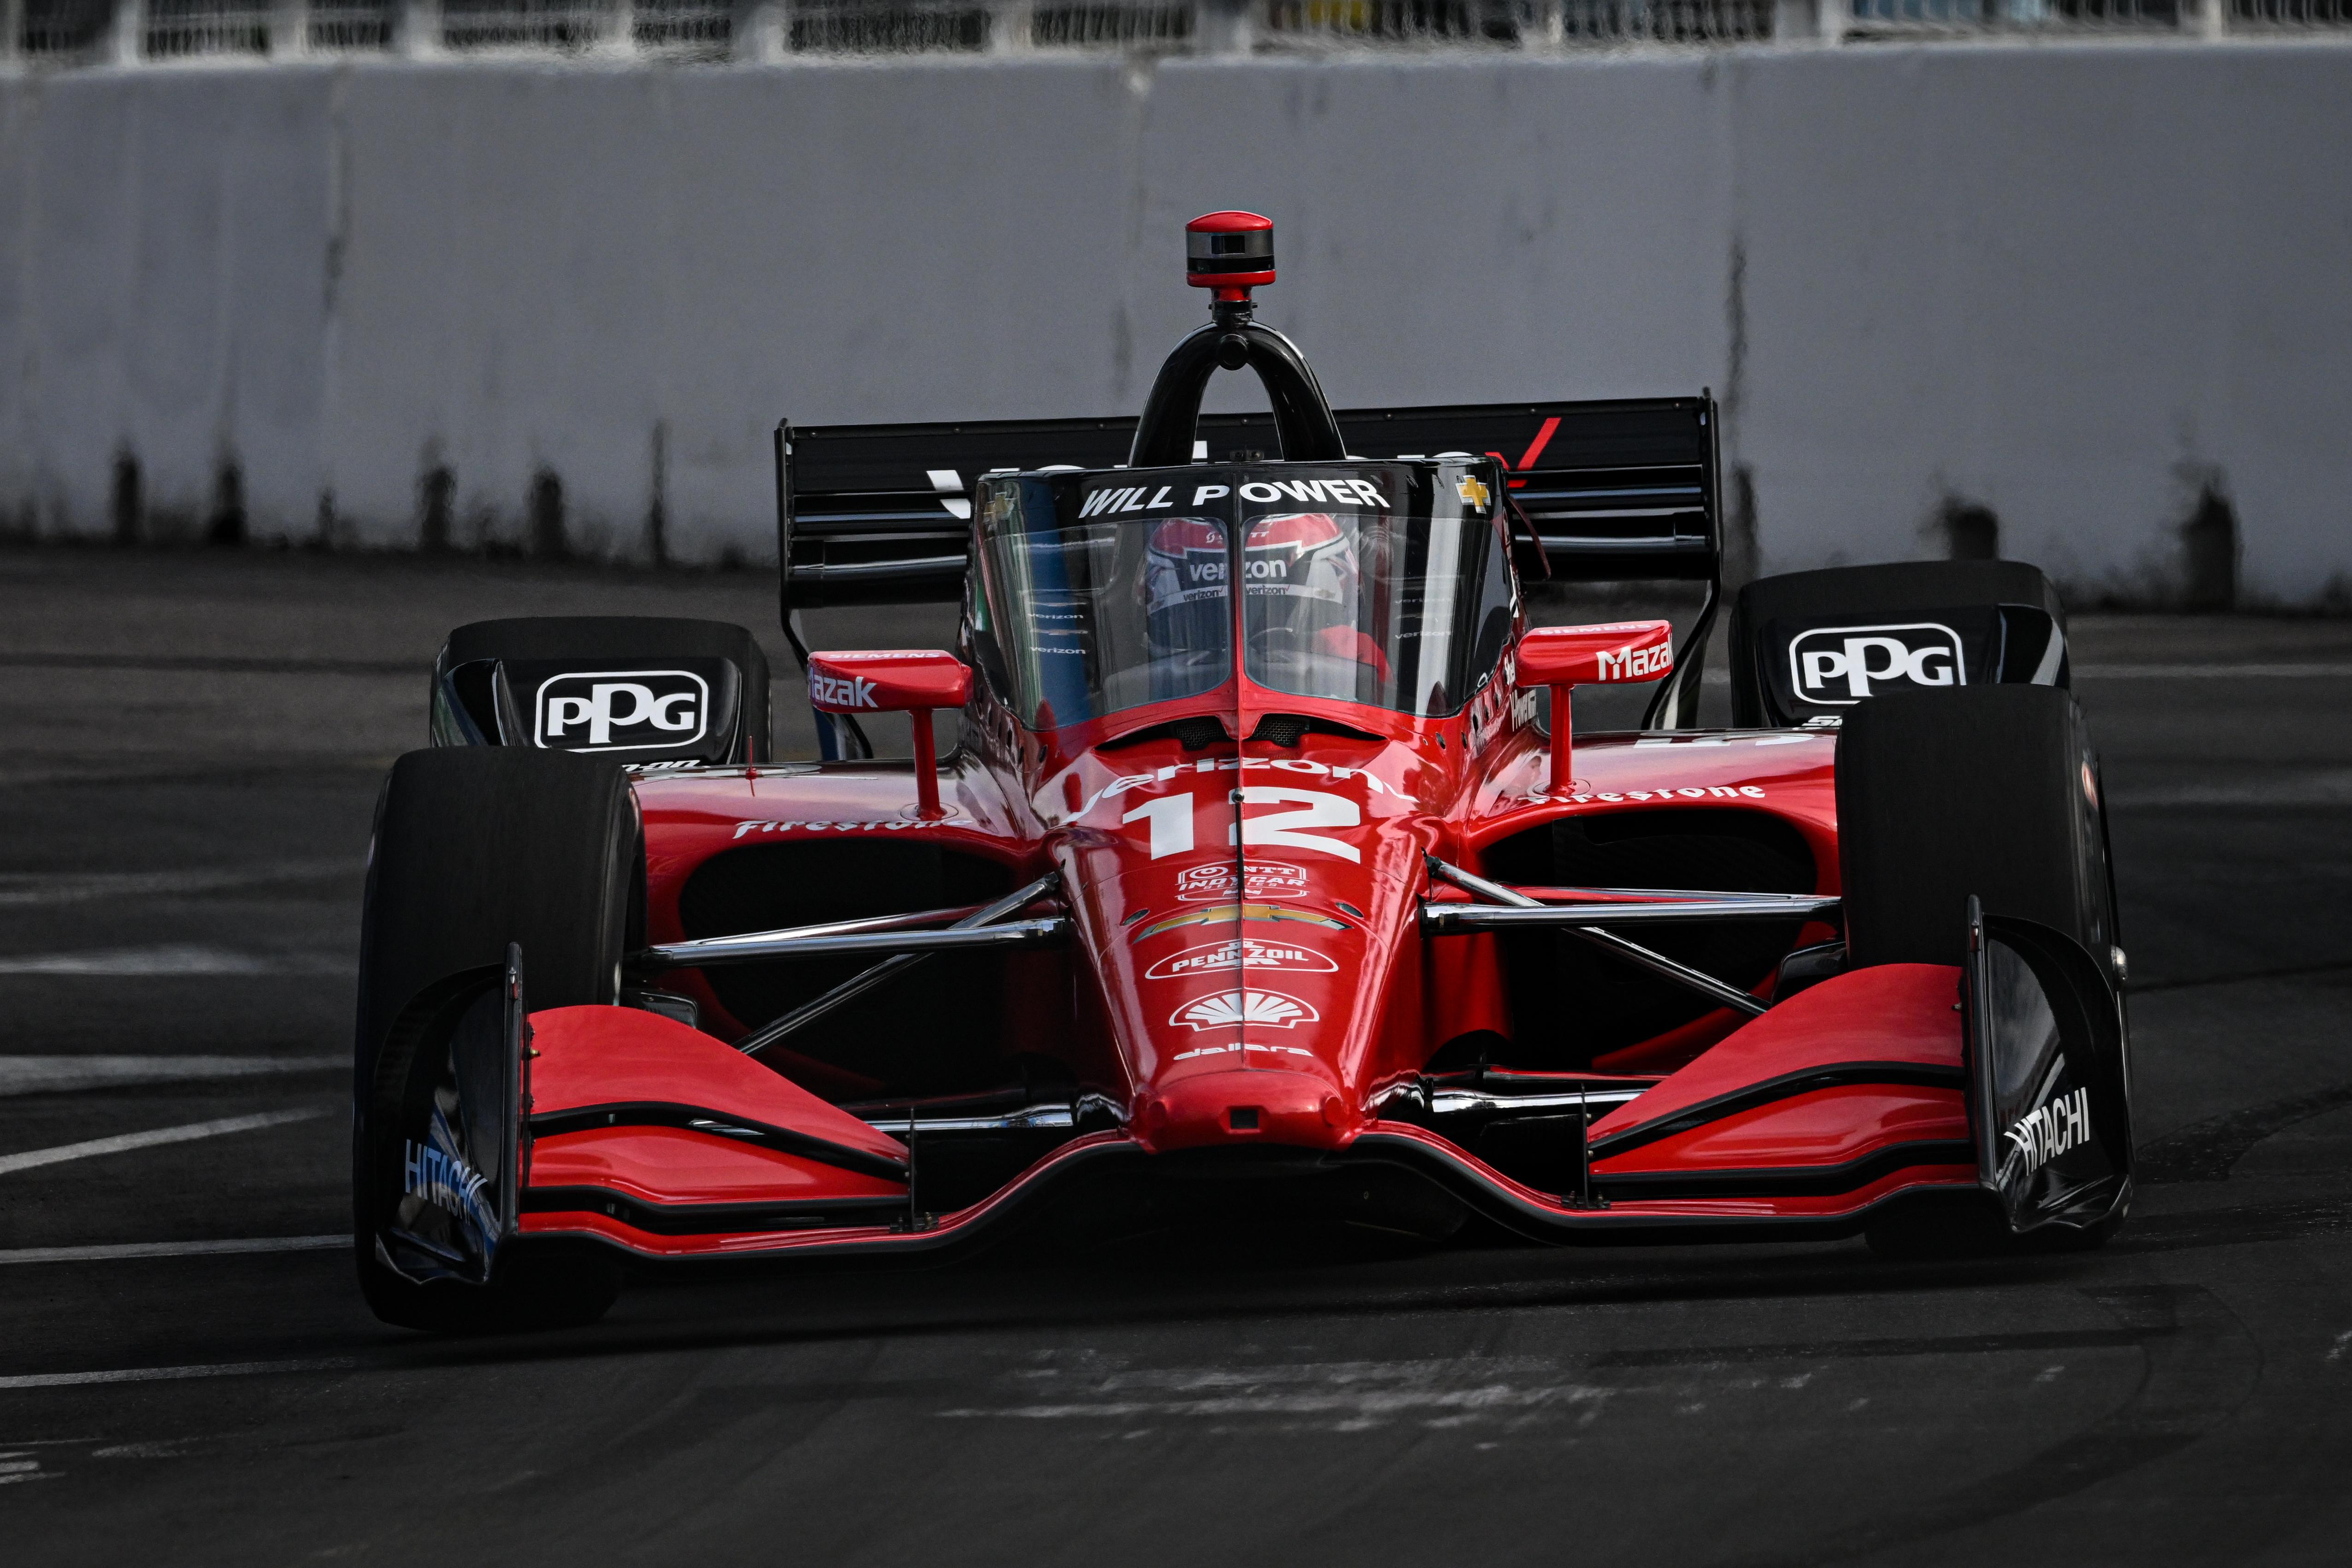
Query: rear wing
(881, 514)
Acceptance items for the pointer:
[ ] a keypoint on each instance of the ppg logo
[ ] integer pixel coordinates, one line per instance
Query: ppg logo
(623, 710)
(1840, 665)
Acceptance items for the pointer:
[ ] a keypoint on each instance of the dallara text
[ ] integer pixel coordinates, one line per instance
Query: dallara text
(1262, 873)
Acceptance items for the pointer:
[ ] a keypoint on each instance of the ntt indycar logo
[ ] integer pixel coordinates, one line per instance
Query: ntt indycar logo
(623, 710)
(2063, 1124)
(1840, 665)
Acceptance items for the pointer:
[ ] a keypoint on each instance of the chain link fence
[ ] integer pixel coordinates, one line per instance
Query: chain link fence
(64, 33)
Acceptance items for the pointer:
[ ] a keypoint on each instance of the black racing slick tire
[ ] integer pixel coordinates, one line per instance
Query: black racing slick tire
(1985, 791)
(477, 849)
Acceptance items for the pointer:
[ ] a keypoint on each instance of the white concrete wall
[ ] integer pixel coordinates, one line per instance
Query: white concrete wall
(2075, 284)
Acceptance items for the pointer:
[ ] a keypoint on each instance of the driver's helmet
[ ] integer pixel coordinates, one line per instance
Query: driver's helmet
(1186, 603)
(1300, 571)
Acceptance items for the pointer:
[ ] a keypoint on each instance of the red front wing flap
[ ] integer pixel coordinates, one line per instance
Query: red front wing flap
(644, 1130)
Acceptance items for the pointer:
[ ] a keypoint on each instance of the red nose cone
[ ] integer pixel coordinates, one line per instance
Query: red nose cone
(1229, 250)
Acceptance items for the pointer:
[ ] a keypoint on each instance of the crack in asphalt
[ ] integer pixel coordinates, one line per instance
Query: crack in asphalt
(2200, 1366)
(2209, 1150)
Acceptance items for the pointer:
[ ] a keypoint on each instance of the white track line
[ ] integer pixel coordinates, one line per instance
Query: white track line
(166, 1374)
(56, 1074)
(174, 959)
(2328, 787)
(74, 887)
(116, 1251)
(122, 1142)
(2210, 672)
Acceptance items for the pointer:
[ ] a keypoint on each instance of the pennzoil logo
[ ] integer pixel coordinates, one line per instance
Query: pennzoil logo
(2043, 1135)
(1264, 879)
(1227, 914)
(623, 710)
(1239, 953)
(1233, 1009)
(1840, 665)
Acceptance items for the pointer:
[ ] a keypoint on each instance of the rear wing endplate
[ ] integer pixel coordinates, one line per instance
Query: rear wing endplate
(881, 514)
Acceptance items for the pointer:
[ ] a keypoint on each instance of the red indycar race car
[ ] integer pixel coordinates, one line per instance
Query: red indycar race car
(1265, 874)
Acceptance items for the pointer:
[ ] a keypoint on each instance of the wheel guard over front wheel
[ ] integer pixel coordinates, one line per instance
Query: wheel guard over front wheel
(461, 1159)
(2048, 1081)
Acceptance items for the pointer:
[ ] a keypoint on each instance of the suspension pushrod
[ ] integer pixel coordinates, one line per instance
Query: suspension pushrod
(1443, 919)
(1608, 941)
(817, 943)
(865, 980)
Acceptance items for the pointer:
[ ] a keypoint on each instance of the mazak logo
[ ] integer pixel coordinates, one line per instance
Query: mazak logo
(2044, 1134)
(1214, 957)
(1636, 663)
(1267, 879)
(1843, 664)
(623, 710)
(1233, 1009)
(841, 691)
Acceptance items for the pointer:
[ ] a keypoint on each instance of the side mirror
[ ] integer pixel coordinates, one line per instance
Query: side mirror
(1563, 657)
(909, 681)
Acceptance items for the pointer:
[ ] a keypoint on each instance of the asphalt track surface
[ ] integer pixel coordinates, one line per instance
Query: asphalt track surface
(187, 1373)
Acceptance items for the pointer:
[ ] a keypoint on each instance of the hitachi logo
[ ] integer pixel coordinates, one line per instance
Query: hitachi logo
(2050, 1132)
(841, 691)
(1636, 663)
(445, 1182)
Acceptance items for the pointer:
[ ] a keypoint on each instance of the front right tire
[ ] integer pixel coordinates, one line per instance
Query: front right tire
(475, 848)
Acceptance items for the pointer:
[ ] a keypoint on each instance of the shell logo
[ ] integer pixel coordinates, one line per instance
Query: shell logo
(1233, 1009)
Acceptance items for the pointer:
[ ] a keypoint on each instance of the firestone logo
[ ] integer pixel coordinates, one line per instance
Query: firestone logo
(623, 710)
(1636, 663)
(1840, 665)
(1212, 957)
(841, 691)
(1267, 879)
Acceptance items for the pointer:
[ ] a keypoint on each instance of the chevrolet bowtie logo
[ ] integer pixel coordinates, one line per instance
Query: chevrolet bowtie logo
(1471, 491)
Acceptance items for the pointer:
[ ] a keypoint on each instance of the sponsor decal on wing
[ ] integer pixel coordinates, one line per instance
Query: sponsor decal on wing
(1241, 952)
(2042, 1136)
(622, 710)
(1233, 1009)
(1840, 665)
(434, 1173)
(841, 691)
(1630, 663)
